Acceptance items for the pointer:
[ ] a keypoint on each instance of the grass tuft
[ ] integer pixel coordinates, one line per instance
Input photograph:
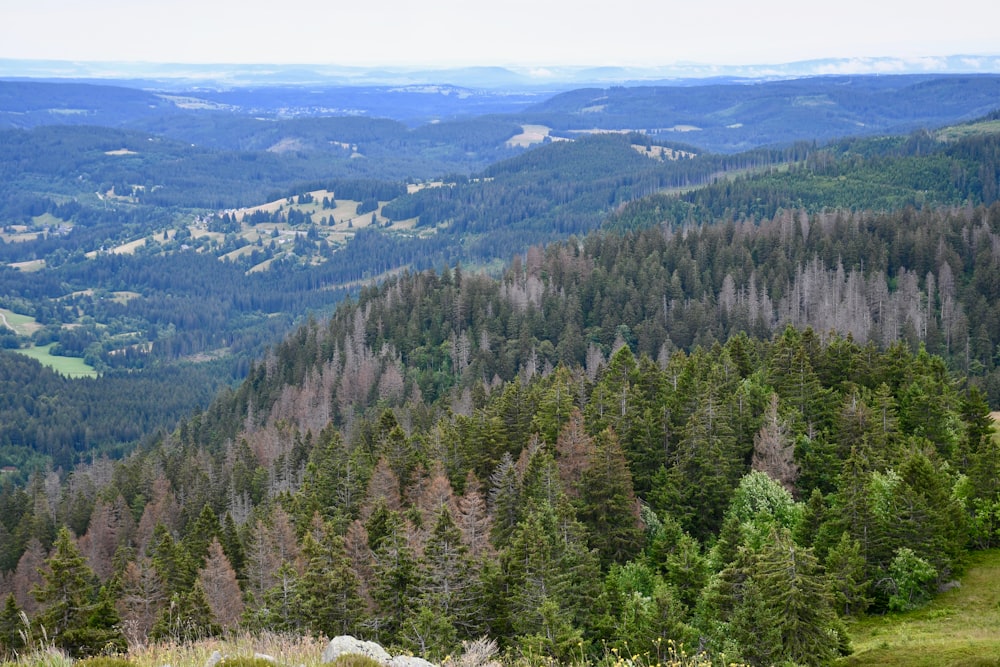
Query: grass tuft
(354, 660)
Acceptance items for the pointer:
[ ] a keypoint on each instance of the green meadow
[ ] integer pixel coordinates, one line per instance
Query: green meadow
(73, 367)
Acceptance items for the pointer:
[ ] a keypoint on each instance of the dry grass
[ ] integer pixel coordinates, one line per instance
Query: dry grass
(285, 649)
(29, 266)
(530, 134)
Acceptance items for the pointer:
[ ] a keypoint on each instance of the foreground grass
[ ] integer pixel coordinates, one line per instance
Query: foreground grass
(285, 649)
(959, 628)
(294, 651)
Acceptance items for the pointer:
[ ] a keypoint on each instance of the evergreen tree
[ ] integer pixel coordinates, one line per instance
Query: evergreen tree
(327, 592)
(845, 570)
(697, 487)
(608, 506)
(199, 536)
(447, 577)
(11, 628)
(395, 578)
(67, 593)
(791, 583)
(505, 500)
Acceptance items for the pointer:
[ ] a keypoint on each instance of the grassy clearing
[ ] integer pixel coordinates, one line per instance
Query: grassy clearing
(960, 628)
(73, 367)
(530, 134)
(48, 220)
(29, 266)
(957, 132)
(661, 153)
(23, 325)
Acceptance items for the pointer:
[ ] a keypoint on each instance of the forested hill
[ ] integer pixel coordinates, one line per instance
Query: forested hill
(629, 443)
(734, 117)
(731, 116)
(926, 278)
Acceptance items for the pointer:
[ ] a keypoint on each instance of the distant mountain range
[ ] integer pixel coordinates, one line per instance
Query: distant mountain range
(185, 76)
(719, 115)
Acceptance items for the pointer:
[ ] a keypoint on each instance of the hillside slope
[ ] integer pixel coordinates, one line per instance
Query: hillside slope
(958, 628)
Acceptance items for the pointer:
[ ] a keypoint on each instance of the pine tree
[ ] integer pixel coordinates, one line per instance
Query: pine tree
(199, 536)
(697, 487)
(774, 449)
(555, 405)
(395, 578)
(505, 500)
(28, 576)
(574, 450)
(172, 563)
(278, 606)
(447, 574)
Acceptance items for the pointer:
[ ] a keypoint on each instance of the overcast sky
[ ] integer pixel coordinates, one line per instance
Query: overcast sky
(500, 32)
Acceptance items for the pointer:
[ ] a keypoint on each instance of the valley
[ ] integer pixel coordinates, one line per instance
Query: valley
(504, 367)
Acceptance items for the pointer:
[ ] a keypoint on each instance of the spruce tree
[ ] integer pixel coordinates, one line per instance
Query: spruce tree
(608, 506)
(327, 592)
(67, 594)
(792, 584)
(11, 627)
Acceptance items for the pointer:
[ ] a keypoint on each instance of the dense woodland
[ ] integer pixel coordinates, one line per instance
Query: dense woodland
(625, 504)
(714, 388)
(431, 466)
(728, 118)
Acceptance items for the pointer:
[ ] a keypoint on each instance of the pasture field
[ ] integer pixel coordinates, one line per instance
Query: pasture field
(72, 367)
(22, 325)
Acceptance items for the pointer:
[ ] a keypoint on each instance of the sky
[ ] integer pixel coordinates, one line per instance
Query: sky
(522, 33)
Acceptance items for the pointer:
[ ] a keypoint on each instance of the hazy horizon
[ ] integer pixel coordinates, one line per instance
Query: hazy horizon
(514, 34)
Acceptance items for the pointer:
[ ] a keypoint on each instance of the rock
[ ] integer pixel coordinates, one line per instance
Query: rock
(264, 656)
(213, 659)
(949, 585)
(409, 661)
(347, 644)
